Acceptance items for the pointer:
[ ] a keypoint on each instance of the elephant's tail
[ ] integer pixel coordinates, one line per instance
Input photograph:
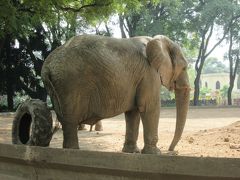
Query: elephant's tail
(46, 78)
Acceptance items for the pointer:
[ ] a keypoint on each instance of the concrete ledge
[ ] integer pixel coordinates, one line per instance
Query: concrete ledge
(25, 162)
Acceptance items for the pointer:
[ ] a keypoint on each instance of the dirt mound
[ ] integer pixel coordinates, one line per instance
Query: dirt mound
(219, 142)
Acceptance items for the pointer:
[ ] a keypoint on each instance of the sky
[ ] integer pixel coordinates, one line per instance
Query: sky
(220, 50)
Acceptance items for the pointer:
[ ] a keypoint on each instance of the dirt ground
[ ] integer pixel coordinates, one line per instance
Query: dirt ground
(211, 132)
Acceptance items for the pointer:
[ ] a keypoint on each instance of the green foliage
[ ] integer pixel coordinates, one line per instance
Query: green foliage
(18, 17)
(7, 17)
(213, 65)
(192, 75)
(204, 91)
(18, 99)
(166, 94)
(224, 91)
(160, 18)
(208, 12)
(165, 17)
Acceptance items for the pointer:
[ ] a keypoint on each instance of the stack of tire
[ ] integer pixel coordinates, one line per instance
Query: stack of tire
(32, 124)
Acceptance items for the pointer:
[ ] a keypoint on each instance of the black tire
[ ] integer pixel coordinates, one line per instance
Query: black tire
(32, 124)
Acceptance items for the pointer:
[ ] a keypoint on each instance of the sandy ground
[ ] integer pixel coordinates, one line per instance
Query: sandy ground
(211, 132)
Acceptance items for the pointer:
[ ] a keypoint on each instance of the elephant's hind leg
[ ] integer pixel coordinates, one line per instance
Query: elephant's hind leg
(132, 127)
(70, 137)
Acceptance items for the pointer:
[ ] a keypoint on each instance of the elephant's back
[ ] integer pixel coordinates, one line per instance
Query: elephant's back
(92, 57)
(101, 51)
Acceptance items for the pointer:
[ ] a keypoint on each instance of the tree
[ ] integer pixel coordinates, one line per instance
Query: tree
(224, 91)
(24, 27)
(213, 65)
(204, 91)
(164, 17)
(208, 15)
(233, 51)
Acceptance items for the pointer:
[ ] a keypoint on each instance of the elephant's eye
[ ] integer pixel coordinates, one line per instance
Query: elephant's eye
(185, 68)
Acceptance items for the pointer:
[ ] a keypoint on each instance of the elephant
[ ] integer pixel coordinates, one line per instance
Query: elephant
(93, 77)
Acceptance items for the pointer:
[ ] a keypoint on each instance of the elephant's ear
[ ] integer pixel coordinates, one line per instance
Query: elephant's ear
(159, 57)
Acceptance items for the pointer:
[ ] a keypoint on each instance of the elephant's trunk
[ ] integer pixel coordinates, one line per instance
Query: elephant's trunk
(182, 103)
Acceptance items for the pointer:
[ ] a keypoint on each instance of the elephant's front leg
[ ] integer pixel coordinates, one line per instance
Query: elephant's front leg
(70, 137)
(132, 127)
(150, 120)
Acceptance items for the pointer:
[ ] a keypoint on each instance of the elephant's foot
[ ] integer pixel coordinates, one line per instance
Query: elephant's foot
(98, 126)
(150, 150)
(82, 127)
(130, 148)
(70, 146)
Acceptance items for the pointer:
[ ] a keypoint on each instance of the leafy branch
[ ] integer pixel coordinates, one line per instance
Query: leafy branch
(72, 9)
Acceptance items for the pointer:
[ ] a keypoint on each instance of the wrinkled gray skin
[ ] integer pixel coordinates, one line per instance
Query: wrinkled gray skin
(90, 78)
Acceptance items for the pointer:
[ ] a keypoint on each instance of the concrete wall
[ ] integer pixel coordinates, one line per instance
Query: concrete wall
(24, 162)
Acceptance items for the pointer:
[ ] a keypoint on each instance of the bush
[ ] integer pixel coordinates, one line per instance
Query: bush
(168, 103)
(18, 99)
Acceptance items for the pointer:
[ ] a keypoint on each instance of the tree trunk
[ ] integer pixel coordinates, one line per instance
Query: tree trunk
(232, 66)
(230, 92)
(196, 90)
(10, 94)
(107, 30)
(42, 93)
(2, 41)
(121, 25)
(9, 73)
(197, 82)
